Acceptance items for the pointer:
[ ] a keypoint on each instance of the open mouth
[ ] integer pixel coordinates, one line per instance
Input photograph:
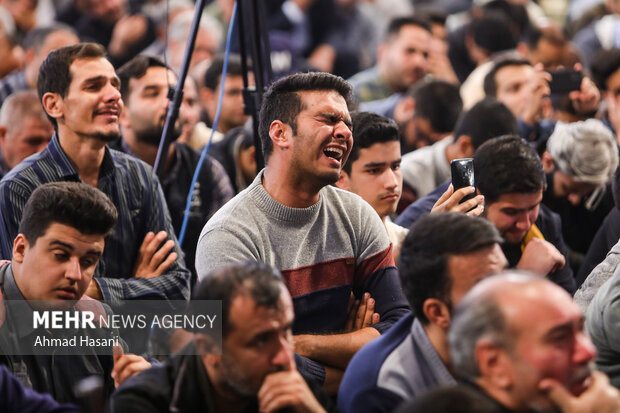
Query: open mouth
(334, 153)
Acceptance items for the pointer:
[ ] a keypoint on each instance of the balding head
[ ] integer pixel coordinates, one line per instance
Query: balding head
(512, 331)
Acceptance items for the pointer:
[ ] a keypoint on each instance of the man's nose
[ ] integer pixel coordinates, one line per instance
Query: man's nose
(74, 270)
(342, 131)
(524, 222)
(390, 179)
(284, 354)
(585, 351)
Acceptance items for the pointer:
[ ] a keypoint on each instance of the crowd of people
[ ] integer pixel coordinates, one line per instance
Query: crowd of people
(353, 276)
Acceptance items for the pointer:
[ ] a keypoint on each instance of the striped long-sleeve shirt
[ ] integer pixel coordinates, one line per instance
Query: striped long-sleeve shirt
(134, 189)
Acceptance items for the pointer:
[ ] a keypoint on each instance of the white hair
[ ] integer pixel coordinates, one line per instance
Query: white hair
(587, 151)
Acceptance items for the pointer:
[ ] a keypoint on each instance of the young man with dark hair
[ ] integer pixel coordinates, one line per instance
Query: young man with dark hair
(80, 93)
(402, 60)
(144, 88)
(328, 243)
(443, 256)
(254, 370)
(231, 112)
(373, 169)
(60, 242)
(510, 175)
(426, 114)
(427, 168)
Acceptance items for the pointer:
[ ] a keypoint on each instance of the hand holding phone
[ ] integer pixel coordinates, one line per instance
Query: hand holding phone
(463, 175)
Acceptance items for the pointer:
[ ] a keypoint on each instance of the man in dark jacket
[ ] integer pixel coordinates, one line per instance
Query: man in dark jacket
(252, 370)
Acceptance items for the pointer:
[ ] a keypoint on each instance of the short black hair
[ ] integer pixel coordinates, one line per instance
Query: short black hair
(493, 33)
(507, 165)
(487, 119)
(214, 72)
(423, 262)
(398, 23)
(439, 102)
(262, 283)
(55, 73)
(283, 102)
(369, 128)
(604, 64)
(75, 204)
(135, 69)
(490, 85)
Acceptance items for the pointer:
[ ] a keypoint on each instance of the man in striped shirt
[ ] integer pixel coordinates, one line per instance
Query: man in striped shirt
(80, 93)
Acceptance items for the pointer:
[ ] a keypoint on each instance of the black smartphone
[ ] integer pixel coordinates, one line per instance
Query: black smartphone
(564, 81)
(463, 175)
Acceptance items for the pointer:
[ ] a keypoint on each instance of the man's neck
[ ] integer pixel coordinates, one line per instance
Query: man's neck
(501, 396)
(452, 152)
(437, 336)
(281, 184)
(86, 153)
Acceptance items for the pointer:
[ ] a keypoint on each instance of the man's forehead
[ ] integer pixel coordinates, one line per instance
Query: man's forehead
(538, 308)
(518, 200)
(83, 69)
(380, 152)
(324, 100)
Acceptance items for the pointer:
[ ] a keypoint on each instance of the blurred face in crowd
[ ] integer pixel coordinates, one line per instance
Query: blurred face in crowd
(403, 59)
(514, 85)
(30, 136)
(232, 112)
(147, 105)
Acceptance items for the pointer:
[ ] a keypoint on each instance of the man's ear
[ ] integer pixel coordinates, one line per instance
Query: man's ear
(465, 147)
(404, 110)
(344, 182)
(437, 312)
(494, 364)
(53, 105)
(280, 134)
(547, 162)
(19, 248)
(2, 134)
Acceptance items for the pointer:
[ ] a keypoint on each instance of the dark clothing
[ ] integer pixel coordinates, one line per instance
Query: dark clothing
(579, 225)
(53, 374)
(212, 190)
(90, 29)
(17, 398)
(606, 237)
(548, 222)
(550, 225)
(421, 206)
(227, 152)
(179, 385)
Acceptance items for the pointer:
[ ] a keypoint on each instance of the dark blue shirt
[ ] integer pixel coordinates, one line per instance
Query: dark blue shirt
(134, 189)
(17, 398)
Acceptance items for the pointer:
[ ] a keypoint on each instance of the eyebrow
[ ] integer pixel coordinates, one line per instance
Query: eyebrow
(563, 328)
(70, 247)
(333, 117)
